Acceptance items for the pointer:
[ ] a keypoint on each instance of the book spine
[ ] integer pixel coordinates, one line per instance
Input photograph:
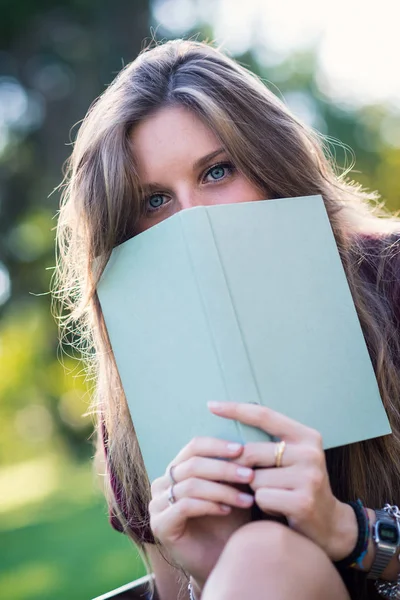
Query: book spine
(224, 328)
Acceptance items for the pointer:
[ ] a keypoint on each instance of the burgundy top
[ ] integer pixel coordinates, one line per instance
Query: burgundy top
(390, 288)
(143, 533)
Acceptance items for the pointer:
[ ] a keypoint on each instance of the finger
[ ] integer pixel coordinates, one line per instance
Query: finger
(208, 446)
(308, 480)
(203, 490)
(290, 503)
(200, 446)
(268, 420)
(288, 478)
(212, 469)
(262, 454)
(170, 524)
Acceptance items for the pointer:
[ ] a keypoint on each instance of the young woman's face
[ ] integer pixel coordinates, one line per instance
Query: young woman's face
(182, 164)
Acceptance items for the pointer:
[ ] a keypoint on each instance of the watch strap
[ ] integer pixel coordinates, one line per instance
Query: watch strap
(383, 550)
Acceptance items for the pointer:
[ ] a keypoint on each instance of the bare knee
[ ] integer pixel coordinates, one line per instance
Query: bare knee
(268, 556)
(254, 550)
(268, 542)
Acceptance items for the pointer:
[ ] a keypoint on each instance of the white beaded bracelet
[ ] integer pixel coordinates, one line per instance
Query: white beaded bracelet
(388, 589)
(191, 594)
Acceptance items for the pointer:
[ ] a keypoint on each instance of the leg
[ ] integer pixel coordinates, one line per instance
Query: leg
(266, 560)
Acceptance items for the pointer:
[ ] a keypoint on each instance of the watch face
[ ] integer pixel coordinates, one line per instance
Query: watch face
(387, 532)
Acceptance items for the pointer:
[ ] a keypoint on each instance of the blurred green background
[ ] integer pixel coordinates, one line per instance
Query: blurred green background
(56, 56)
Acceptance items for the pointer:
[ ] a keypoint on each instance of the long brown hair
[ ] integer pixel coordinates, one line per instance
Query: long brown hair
(102, 199)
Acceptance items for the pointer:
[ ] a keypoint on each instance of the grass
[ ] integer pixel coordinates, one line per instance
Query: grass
(62, 546)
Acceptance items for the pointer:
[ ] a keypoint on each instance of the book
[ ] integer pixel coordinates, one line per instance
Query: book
(244, 302)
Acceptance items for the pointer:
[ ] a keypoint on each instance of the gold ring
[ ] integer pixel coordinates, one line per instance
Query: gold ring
(279, 450)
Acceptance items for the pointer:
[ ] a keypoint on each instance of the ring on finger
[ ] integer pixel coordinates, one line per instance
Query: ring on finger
(171, 495)
(279, 450)
(172, 478)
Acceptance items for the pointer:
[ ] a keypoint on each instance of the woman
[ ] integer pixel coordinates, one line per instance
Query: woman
(185, 125)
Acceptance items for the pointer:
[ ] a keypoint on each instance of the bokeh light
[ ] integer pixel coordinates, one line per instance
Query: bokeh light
(5, 284)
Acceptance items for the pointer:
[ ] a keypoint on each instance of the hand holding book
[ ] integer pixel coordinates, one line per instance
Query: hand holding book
(208, 506)
(299, 488)
(199, 502)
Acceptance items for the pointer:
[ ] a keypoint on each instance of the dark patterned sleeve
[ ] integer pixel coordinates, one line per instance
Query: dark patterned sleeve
(140, 532)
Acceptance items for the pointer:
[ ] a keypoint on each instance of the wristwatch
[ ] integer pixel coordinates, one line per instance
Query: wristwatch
(386, 536)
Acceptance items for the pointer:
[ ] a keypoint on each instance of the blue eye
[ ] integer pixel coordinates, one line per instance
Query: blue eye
(219, 171)
(155, 201)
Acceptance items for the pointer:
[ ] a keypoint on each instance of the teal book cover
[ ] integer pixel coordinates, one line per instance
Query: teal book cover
(244, 302)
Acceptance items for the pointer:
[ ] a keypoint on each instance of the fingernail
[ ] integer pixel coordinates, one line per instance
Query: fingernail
(234, 447)
(216, 405)
(246, 498)
(244, 472)
(225, 508)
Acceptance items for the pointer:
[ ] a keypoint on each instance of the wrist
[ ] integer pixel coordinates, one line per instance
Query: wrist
(345, 534)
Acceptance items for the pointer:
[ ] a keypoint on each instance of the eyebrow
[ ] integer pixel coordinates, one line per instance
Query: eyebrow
(197, 165)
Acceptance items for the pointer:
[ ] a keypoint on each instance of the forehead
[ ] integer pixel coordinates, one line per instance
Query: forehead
(170, 135)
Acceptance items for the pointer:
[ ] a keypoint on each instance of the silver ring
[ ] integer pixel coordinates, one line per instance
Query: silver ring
(173, 480)
(171, 495)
